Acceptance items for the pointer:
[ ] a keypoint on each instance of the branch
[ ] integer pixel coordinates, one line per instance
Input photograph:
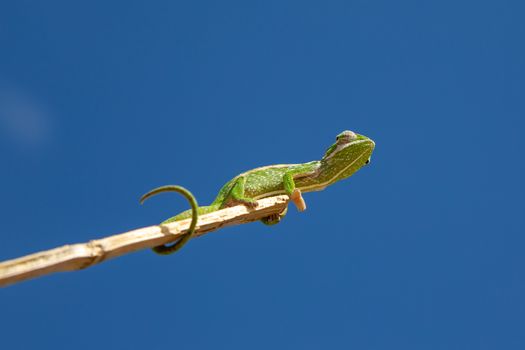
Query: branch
(82, 255)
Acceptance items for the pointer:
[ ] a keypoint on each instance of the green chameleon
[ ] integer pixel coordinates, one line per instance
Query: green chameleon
(347, 155)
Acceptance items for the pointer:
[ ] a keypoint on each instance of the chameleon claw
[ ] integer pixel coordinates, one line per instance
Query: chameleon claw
(250, 204)
(271, 219)
(274, 219)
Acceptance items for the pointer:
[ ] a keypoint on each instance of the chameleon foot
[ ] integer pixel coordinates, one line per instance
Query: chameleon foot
(274, 218)
(250, 203)
(298, 200)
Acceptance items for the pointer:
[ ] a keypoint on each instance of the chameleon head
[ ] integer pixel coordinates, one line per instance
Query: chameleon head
(348, 154)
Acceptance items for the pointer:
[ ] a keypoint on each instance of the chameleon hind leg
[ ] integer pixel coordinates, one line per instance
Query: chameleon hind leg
(274, 218)
(237, 196)
(169, 249)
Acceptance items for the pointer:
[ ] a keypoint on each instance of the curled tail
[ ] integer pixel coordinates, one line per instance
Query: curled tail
(169, 249)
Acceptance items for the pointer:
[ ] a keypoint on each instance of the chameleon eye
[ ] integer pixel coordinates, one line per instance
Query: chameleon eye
(345, 137)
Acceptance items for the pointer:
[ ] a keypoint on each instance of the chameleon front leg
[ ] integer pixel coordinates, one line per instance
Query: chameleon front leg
(294, 193)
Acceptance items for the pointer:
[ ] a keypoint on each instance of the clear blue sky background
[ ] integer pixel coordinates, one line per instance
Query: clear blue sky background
(423, 249)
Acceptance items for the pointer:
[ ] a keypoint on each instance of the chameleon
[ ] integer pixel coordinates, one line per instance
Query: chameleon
(349, 153)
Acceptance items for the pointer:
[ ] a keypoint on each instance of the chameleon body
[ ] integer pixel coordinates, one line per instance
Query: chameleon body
(348, 154)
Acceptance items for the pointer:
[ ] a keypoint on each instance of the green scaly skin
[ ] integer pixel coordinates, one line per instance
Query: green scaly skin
(347, 155)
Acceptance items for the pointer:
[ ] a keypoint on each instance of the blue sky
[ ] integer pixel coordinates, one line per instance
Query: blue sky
(423, 249)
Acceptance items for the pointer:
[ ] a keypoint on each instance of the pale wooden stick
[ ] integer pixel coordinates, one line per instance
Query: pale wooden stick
(82, 255)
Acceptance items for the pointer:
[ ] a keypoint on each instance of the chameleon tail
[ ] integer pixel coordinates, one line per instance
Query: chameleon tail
(165, 249)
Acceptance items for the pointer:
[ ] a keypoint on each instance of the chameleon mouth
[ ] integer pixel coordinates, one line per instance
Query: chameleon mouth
(371, 145)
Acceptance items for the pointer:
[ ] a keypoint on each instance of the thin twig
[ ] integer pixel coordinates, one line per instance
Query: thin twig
(82, 255)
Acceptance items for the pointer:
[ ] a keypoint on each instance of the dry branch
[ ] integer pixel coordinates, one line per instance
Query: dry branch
(82, 255)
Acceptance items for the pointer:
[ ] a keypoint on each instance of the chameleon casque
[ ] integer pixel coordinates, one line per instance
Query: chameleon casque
(348, 154)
